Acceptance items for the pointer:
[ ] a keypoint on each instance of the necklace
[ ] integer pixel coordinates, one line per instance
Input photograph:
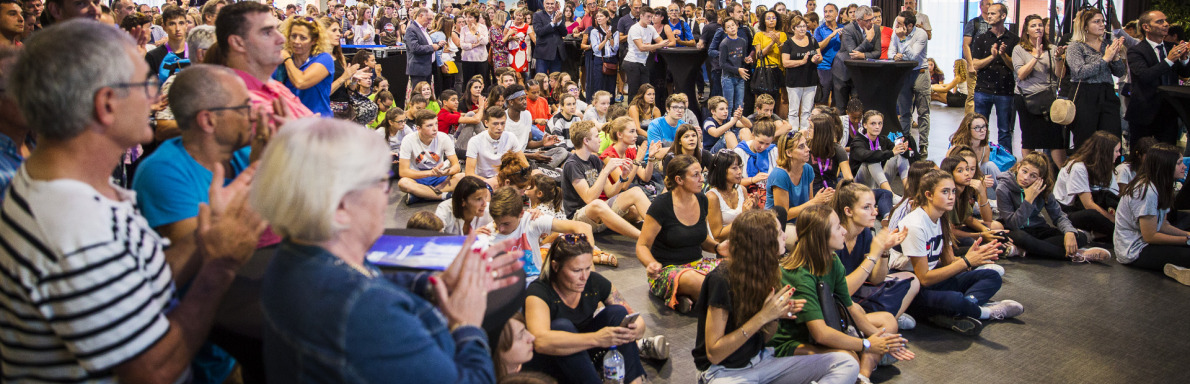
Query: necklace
(359, 268)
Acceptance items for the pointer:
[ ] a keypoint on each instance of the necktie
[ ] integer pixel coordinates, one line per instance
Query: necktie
(1160, 52)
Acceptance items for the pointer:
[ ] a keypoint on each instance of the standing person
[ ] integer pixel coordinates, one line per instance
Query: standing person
(550, 26)
(1144, 238)
(255, 56)
(885, 33)
(420, 48)
(681, 29)
(767, 41)
(309, 66)
(674, 235)
(624, 24)
(1093, 59)
(923, 21)
(714, 73)
(605, 45)
(1038, 66)
(827, 36)
(734, 309)
(519, 37)
(996, 79)
(71, 208)
(1152, 65)
(974, 27)
(910, 43)
(857, 41)
(498, 45)
(800, 55)
(473, 40)
(732, 57)
(364, 31)
(389, 26)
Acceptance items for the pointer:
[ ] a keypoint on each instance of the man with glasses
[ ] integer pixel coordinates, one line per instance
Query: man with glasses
(857, 41)
(996, 78)
(664, 129)
(99, 298)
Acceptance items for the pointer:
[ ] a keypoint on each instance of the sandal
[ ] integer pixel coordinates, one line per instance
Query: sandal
(604, 258)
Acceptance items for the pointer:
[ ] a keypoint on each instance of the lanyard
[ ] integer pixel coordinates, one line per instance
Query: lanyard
(872, 143)
(823, 165)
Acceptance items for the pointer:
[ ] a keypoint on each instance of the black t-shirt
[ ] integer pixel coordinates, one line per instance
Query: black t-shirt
(596, 291)
(578, 169)
(805, 75)
(716, 292)
(826, 171)
(340, 95)
(708, 34)
(998, 77)
(677, 243)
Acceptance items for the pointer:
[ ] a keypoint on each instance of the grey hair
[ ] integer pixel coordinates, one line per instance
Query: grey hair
(304, 175)
(197, 88)
(200, 37)
(55, 91)
(862, 11)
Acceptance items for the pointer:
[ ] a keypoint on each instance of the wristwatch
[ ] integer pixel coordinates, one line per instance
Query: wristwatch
(867, 344)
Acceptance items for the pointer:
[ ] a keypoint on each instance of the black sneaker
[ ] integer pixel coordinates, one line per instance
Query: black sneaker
(964, 325)
(685, 305)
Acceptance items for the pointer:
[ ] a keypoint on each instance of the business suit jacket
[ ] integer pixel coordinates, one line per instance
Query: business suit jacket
(852, 38)
(549, 37)
(1148, 73)
(419, 58)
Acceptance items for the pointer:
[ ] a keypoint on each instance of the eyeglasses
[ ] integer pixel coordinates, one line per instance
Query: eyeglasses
(571, 89)
(982, 128)
(151, 86)
(243, 107)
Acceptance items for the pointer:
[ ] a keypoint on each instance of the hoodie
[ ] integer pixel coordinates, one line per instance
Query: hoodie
(1016, 215)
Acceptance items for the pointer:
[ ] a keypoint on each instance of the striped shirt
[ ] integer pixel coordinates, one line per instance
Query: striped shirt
(84, 285)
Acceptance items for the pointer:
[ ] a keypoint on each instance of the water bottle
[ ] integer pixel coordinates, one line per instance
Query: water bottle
(613, 367)
(531, 270)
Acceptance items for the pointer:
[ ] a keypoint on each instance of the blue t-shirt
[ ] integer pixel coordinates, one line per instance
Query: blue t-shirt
(660, 130)
(318, 97)
(828, 54)
(798, 194)
(169, 183)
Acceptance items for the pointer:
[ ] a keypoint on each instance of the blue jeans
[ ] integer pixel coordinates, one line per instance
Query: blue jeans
(581, 367)
(884, 202)
(733, 91)
(1005, 115)
(548, 66)
(962, 294)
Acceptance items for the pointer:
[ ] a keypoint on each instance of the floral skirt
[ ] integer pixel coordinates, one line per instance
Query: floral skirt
(665, 286)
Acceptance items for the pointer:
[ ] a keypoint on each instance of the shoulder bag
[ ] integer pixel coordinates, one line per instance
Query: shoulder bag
(1039, 102)
(767, 79)
(834, 313)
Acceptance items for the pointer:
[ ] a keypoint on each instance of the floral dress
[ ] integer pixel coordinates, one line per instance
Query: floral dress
(499, 51)
(518, 48)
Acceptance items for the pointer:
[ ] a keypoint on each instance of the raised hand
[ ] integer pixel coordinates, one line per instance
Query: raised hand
(887, 239)
(778, 305)
(228, 229)
(1032, 191)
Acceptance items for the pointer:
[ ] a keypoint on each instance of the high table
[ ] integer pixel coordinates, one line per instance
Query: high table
(392, 66)
(574, 57)
(239, 320)
(683, 63)
(878, 84)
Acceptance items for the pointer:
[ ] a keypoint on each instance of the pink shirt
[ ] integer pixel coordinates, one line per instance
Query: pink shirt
(263, 94)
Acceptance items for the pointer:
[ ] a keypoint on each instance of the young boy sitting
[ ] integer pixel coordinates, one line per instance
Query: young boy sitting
(428, 165)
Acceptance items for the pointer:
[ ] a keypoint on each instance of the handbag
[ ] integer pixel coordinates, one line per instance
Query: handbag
(610, 67)
(1001, 157)
(834, 313)
(767, 79)
(450, 68)
(1062, 110)
(1039, 102)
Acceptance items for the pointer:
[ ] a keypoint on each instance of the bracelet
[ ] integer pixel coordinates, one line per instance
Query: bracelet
(964, 257)
(986, 204)
(744, 332)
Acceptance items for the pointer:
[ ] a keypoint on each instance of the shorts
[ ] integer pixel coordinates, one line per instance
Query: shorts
(581, 215)
(665, 286)
(432, 181)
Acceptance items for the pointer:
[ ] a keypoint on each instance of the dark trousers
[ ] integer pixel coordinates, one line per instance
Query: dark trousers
(1097, 108)
(1155, 257)
(472, 68)
(657, 76)
(1163, 127)
(548, 66)
(636, 74)
(413, 80)
(826, 84)
(716, 82)
(597, 81)
(842, 94)
(585, 367)
(1044, 241)
(1088, 219)
(962, 294)
(884, 202)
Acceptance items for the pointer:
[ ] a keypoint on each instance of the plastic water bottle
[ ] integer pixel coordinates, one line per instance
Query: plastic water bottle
(613, 367)
(531, 270)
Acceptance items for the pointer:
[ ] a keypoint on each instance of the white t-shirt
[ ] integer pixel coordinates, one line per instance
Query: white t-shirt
(424, 157)
(1126, 237)
(487, 151)
(394, 143)
(1073, 180)
(924, 239)
(453, 225)
(522, 129)
(1123, 174)
(529, 233)
(646, 35)
(923, 21)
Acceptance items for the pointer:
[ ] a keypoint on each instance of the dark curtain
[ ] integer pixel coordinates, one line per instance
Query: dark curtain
(889, 10)
(1133, 9)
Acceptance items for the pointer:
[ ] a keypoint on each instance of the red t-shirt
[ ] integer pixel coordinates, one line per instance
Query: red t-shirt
(540, 109)
(610, 152)
(448, 121)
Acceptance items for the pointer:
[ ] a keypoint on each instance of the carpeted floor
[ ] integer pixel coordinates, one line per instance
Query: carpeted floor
(1083, 323)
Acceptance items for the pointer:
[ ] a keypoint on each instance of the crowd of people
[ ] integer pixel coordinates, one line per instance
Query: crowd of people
(172, 145)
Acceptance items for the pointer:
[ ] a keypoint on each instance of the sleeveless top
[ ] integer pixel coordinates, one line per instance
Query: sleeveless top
(730, 213)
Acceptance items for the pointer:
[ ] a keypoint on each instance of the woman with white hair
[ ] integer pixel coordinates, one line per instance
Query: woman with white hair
(329, 315)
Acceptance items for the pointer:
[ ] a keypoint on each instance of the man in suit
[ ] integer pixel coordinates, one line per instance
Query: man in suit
(550, 28)
(859, 41)
(1153, 63)
(420, 59)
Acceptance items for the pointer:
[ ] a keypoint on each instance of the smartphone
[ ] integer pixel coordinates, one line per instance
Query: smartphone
(900, 140)
(631, 318)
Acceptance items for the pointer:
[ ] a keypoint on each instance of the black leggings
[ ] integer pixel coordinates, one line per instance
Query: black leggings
(1088, 219)
(1155, 257)
(1044, 241)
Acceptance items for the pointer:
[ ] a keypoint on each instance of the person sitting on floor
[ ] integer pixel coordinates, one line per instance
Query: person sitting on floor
(511, 221)
(484, 150)
(973, 132)
(674, 234)
(789, 187)
(758, 154)
(1022, 194)
(560, 312)
(467, 209)
(585, 187)
(513, 348)
(722, 128)
(739, 306)
(1144, 238)
(641, 162)
(970, 195)
(429, 167)
(813, 262)
(1086, 187)
(726, 198)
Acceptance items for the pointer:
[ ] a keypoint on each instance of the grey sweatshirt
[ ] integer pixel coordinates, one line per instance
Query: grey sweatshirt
(1016, 215)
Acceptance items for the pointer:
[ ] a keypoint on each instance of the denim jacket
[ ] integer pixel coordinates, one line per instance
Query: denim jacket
(325, 322)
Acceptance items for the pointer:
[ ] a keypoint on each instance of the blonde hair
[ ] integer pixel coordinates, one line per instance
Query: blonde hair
(1079, 32)
(303, 175)
(318, 35)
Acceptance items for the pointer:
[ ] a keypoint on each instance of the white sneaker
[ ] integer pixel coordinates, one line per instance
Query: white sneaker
(655, 348)
(1182, 275)
(994, 267)
(896, 199)
(1005, 309)
(906, 322)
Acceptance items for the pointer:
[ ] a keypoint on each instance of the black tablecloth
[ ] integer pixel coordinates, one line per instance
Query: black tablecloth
(1179, 97)
(574, 57)
(683, 63)
(877, 84)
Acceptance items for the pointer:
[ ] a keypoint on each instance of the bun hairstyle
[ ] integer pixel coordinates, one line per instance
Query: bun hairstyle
(514, 170)
(813, 247)
(551, 191)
